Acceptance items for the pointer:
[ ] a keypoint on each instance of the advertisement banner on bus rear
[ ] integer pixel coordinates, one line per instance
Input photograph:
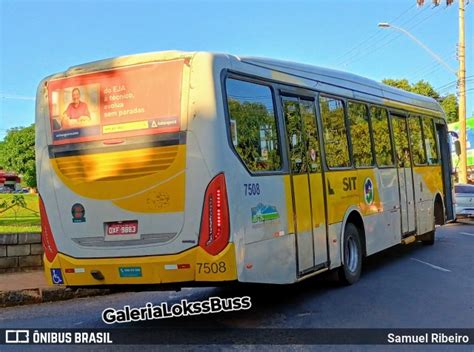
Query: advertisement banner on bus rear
(125, 102)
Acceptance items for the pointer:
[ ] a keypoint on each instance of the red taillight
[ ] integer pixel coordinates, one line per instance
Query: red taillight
(50, 249)
(214, 234)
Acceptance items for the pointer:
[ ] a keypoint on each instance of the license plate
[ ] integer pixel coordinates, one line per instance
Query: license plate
(122, 228)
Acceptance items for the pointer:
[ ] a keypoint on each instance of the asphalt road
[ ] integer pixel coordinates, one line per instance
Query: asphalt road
(412, 286)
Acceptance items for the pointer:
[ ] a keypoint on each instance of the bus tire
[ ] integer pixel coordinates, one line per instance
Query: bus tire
(349, 272)
(428, 239)
(438, 219)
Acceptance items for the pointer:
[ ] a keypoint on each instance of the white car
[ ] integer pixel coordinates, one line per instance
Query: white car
(464, 194)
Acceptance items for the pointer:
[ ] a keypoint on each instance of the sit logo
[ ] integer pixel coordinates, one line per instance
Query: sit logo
(368, 191)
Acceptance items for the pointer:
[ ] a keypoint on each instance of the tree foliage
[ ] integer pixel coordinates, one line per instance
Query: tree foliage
(17, 153)
(448, 102)
(256, 136)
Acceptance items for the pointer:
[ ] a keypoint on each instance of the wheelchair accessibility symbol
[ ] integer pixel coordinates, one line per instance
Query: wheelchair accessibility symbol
(57, 276)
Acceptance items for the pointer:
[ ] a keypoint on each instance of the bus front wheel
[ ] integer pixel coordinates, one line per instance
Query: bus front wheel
(350, 271)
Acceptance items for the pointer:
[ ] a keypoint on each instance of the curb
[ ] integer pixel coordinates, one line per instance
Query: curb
(38, 295)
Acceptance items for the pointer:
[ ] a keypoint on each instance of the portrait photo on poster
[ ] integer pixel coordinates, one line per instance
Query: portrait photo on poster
(75, 107)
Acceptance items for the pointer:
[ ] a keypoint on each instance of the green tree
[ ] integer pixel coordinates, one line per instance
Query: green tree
(448, 102)
(424, 88)
(17, 153)
(1, 154)
(255, 125)
(398, 83)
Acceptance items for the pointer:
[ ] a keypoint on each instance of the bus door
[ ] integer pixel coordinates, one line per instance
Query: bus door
(405, 173)
(445, 154)
(306, 183)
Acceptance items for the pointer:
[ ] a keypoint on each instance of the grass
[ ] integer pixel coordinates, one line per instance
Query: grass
(19, 219)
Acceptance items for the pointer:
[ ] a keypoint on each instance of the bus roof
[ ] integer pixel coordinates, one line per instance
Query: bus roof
(345, 80)
(316, 73)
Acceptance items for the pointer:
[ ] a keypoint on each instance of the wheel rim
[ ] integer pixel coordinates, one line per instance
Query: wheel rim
(351, 254)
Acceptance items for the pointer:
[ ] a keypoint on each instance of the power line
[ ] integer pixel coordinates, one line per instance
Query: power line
(375, 46)
(428, 70)
(424, 68)
(16, 97)
(454, 82)
(375, 33)
(369, 42)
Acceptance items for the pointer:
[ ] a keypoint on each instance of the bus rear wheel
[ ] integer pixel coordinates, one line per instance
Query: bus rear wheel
(350, 271)
(438, 219)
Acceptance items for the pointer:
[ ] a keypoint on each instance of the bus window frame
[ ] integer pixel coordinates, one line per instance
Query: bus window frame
(306, 95)
(402, 115)
(418, 117)
(438, 120)
(228, 74)
(433, 126)
(323, 142)
(371, 136)
(390, 132)
(298, 90)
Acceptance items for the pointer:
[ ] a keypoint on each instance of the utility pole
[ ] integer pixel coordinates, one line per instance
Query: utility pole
(462, 96)
(462, 173)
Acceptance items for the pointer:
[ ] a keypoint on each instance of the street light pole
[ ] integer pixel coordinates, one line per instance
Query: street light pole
(420, 43)
(461, 75)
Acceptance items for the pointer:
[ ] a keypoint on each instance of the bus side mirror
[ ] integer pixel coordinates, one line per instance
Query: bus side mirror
(457, 147)
(453, 134)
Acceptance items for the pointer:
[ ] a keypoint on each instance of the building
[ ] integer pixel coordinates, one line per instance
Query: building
(9, 180)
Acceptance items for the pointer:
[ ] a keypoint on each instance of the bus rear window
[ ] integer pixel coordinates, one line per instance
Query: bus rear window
(125, 102)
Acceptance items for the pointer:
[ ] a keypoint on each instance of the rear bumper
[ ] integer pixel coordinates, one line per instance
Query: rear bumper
(464, 212)
(191, 265)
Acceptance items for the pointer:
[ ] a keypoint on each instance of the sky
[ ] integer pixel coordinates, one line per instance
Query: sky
(39, 38)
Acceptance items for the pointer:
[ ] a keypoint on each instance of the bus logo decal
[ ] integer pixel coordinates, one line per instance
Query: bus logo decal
(368, 191)
(78, 213)
(262, 213)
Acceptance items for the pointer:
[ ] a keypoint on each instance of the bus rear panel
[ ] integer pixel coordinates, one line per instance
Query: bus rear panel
(121, 195)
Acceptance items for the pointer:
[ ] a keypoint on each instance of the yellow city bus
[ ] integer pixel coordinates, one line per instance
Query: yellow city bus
(189, 168)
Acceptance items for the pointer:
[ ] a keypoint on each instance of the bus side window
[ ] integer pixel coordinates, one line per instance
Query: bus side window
(335, 133)
(430, 141)
(308, 115)
(294, 131)
(252, 124)
(360, 134)
(400, 139)
(416, 140)
(382, 140)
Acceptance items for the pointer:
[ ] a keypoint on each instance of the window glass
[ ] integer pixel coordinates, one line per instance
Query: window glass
(360, 134)
(253, 125)
(335, 134)
(294, 132)
(312, 138)
(400, 138)
(416, 140)
(382, 140)
(430, 141)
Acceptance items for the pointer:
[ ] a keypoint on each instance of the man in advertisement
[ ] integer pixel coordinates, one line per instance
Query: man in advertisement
(77, 112)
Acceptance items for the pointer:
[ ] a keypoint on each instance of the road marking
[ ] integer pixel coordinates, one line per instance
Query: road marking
(431, 265)
(303, 314)
(467, 234)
